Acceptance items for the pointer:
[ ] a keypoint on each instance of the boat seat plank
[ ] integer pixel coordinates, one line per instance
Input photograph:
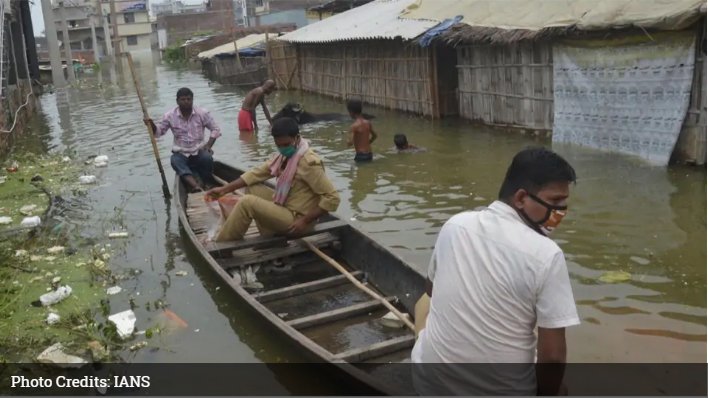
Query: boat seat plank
(334, 315)
(306, 287)
(246, 257)
(226, 249)
(377, 349)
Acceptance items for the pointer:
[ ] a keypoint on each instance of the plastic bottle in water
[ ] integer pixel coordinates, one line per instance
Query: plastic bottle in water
(56, 296)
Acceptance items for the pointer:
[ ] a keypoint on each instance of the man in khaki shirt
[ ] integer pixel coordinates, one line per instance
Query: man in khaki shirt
(303, 192)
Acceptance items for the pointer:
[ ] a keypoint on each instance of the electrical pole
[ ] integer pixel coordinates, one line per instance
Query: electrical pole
(67, 45)
(116, 38)
(106, 31)
(94, 42)
(50, 30)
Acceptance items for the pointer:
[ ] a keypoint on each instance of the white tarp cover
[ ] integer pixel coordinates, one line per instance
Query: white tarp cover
(623, 97)
(228, 48)
(539, 14)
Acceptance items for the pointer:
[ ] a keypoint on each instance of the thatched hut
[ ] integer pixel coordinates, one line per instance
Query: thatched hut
(240, 64)
(369, 52)
(605, 74)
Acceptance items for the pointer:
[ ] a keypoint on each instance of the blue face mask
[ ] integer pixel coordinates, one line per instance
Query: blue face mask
(287, 151)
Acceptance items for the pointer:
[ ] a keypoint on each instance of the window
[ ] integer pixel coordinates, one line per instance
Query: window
(258, 3)
(129, 17)
(108, 18)
(132, 40)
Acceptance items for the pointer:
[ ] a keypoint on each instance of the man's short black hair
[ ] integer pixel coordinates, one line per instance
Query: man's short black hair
(532, 169)
(354, 106)
(285, 126)
(185, 92)
(400, 140)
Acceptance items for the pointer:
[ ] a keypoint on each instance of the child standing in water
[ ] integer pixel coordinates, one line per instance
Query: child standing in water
(361, 133)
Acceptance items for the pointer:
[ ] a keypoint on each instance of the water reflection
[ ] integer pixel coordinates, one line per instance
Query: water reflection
(624, 216)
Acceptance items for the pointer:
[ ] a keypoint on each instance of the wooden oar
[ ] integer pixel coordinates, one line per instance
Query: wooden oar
(165, 189)
(358, 284)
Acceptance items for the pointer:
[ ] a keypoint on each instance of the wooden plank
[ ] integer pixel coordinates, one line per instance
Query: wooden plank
(306, 287)
(334, 315)
(378, 349)
(225, 249)
(248, 257)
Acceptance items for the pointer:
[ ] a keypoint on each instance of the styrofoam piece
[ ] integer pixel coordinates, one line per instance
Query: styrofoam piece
(125, 323)
(113, 290)
(90, 179)
(56, 296)
(31, 221)
(53, 318)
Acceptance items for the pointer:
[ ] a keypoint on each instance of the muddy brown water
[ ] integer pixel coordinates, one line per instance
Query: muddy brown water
(624, 216)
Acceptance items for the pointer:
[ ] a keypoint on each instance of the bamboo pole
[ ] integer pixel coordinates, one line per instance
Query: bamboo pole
(238, 58)
(165, 189)
(358, 284)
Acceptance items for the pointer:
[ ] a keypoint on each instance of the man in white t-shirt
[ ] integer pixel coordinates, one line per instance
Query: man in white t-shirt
(494, 278)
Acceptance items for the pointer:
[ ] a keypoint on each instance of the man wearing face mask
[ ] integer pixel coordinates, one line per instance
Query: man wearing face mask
(494, 278)
(303, 193)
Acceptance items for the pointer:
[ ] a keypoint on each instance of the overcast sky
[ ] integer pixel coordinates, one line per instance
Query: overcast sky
(38, 21)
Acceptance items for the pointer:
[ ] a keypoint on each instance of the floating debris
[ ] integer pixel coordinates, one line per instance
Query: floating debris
(118, 235)
(5, 220)
(640, 260)
(31, 221)
(55, 355)
(113, 290)
(138, 346)
(56, 296)
(53, 318)
(20, 253)
(66, 159)
(615, 277)
(55, 249)
(90, 179)
(98, 351)
(392, 321)
(100, 161)
(56, 280)
(181, 273)
(27, 210)
(125, 323)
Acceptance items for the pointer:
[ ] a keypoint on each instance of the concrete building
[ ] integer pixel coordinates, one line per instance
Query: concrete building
(134, 26)
(175, 7)
(80, 16)
(270, 12)
(175, 29)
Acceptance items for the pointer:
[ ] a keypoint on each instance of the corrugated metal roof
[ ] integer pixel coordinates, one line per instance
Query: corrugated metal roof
(540, 14)
(228, 48)
(376, 20)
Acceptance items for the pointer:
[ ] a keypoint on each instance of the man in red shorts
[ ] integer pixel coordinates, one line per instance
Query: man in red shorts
(247, 115)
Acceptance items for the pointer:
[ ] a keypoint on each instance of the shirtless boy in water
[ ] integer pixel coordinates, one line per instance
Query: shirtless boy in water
(247, 115)
(362, 132)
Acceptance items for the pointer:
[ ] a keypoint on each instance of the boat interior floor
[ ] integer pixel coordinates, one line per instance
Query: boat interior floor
(309, 294)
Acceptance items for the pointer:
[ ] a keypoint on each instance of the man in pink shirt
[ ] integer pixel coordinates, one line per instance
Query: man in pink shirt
(190, 154)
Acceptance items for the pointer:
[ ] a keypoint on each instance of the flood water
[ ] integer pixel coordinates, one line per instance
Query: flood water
(624, 216)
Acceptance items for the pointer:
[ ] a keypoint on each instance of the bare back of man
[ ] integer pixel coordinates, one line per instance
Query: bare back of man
(247, 114)
(362, 135)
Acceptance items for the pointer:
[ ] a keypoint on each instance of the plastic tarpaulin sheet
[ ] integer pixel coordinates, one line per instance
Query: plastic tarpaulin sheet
(438, 29)
(624, 96)
(539, 14)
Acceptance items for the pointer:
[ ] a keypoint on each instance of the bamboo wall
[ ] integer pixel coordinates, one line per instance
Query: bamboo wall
(283, 65)
(507, 85)
(386, 72)
(691, 145)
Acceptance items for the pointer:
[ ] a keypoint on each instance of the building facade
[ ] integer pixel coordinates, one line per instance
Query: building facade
(134, 26)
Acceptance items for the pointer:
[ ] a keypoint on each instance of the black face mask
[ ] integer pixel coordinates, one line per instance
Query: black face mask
(553, 217)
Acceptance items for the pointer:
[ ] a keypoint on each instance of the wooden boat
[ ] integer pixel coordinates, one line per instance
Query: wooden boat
(312, 304)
